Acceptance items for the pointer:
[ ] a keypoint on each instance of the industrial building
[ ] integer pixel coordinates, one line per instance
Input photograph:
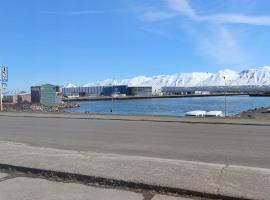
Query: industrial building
(119, 90)
(45, 94)
(139, 91)
(82, 91)
(214, 89)
(95, 91)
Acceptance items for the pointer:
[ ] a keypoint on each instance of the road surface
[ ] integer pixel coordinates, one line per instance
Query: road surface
(216, 143)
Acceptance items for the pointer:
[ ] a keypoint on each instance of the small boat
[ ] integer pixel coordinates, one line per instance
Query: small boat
(215, 113)
(196, 113)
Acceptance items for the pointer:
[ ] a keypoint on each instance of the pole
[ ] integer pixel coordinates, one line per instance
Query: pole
(226, 104)
(112, 98)
(225, 98)
(1, 98)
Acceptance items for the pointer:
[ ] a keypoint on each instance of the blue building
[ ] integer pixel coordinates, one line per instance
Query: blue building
(95, 91)
(82, 91)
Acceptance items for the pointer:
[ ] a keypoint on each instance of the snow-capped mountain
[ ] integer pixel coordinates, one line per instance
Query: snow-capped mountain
(69, 85)
(255, 76)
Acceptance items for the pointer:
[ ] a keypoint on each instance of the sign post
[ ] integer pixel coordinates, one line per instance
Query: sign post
(3, 81)
(1, 98)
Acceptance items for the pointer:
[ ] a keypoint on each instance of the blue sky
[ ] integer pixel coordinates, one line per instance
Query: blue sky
(82, 41)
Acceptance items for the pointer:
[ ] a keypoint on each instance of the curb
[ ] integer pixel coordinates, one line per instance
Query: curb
(176, 176)
(116, 184)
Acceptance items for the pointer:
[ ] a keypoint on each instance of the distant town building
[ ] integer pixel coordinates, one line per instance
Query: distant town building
(17, 98)
(24, 97)
(215, 89)
(10, 99)
(44, 94)
(139, 91)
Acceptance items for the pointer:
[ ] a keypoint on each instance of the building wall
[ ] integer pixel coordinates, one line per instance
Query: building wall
(114, 90)
(35, 94)
(17, 98)
(82, 91)
(24, 98)
(139, 91)
(44, 94)
(13, 99)
(95, 91)
(48, 95)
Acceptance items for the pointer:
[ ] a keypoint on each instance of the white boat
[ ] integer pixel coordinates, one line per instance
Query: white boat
(196, 113)
(215, 113)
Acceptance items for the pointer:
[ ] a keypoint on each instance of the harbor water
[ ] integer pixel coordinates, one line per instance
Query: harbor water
(172, 106)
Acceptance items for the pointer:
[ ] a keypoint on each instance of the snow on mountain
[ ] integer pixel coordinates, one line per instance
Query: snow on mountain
(69, 85)
(255, 76)
(220, 78)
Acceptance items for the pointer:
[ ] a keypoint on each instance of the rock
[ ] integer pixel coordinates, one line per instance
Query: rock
(29, 107)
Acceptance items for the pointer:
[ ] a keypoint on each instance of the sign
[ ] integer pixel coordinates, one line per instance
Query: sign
(4, 85)
(4, 74)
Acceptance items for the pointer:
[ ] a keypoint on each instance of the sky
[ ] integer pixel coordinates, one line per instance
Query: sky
(86, 41)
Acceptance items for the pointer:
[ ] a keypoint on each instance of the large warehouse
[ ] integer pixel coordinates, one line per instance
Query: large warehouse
(95, 91)
(82, 91)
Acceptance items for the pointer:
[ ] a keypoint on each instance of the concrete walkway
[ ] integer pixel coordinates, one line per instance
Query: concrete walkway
(175, 176)
(27, 188)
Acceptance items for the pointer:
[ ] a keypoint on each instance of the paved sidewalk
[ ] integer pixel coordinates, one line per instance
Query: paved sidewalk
(26, 188)
(2, 175)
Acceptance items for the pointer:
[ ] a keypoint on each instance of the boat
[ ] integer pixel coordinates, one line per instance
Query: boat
(215, 113)
(196, 113)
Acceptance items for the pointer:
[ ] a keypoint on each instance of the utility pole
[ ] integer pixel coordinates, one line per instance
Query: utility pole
(1, 97)
(225, 98)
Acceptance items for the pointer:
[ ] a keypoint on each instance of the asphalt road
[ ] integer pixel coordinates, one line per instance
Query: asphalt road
(233, 144)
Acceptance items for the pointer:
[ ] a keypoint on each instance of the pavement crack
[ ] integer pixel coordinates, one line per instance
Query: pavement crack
(8, 177)
(220, 177)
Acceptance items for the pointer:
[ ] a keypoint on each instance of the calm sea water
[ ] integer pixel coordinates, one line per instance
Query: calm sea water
(173, 106)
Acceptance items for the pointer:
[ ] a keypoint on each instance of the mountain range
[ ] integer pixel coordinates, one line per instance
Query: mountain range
(253, 76)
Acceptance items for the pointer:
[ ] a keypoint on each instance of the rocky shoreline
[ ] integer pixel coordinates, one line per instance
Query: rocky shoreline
(29, 107)
(257, 113)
